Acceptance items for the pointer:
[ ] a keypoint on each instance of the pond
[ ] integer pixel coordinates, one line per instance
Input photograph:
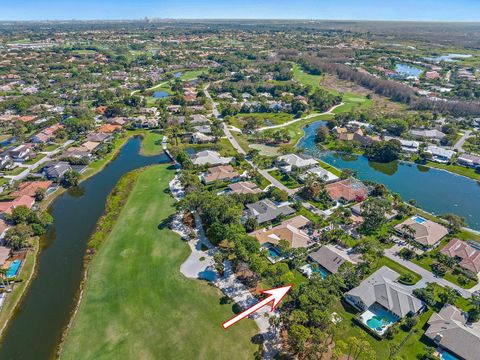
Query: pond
(408, 70)
(160, 94)
(434, 190)
(36, 329)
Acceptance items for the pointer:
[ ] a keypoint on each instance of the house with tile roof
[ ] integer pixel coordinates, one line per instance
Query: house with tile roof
(466, 254)
(423, 231)
(244, 187)
(220, 173)
(347, 190)
(289, 230)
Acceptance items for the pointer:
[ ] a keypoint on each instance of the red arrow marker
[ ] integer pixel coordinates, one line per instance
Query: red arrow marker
(276, 295)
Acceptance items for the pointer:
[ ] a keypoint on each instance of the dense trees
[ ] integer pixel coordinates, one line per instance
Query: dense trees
(383, 151)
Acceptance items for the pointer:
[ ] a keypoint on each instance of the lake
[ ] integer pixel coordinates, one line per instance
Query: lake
(408, 70)
(434, 190)
(36, 329)
(448, 58)
(160, 94)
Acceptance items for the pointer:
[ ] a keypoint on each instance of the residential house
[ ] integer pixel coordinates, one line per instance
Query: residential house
(289, 230)
(289, 161)
(220, 173)
(323, 174)
(6, 162)
(22, 152)
(204, 129)
(467, 255)
(6, 207)
(347, 190)
(266, 210)
(46, 134)
(329, 258)
(408, 146)
(29, 188)
(210, 157)
(199, 138)
(99, 137)
(56, 170)
(431, 134)
(357, 136)
(423, 231)
(440, 154)
(244, 187)
(469, 160)
(451, 330)
(357, 210)
(109, 128)
(381, 289)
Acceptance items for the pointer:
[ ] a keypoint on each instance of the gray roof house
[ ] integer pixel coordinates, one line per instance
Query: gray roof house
(381, 288)
(330, 258)
(430, 134)
(267, 210)
(449, 329)
(56, 170)
(469, 160)
(286, 162)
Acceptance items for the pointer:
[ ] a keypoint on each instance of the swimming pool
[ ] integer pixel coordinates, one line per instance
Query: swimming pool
(419, 220)
(321, 270)
(13, 269)
(378, 318)
(273, 252)
(445, 355)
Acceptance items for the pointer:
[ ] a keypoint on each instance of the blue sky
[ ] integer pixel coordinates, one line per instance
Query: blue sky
(450, 10)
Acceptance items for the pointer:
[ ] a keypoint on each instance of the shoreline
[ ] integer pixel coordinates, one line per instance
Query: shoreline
(44, 205)
(128, 181)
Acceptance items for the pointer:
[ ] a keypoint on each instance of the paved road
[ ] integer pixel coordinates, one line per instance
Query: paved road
(46, 158)
(459, 144)
(426, 275)
(328, 112)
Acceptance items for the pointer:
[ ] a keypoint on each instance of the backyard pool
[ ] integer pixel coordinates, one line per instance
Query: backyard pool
(445, 355)
(273, 252)
(13, 269)
(308, 270)
(378, 318)
(160, 94)
(419, 220)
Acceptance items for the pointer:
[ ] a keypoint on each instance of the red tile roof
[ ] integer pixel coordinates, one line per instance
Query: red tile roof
(28, 188)
(470, 257)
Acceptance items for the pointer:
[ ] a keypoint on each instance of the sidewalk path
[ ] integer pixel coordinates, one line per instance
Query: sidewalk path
(459, 144)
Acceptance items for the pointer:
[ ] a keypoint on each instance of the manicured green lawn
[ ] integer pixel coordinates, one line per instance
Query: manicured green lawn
(285, 179)
(305, 78)
(456, 169)
(137, 304)
(264, 119)
(329, 167)
(384, 261)
(152, 142)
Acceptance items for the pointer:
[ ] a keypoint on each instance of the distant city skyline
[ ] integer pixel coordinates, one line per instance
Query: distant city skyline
(407, 10)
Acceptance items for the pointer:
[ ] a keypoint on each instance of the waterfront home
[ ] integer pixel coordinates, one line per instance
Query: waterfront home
(432, 134)
(408, 146)
(56, 170)
(210, 157)
(30, 188)
(469, 160)
(383, 300)
(244, 187)
(423, 231)
(357, 136)
(266, 210)
(289, 161)
(6, 207)
(357, 210)
(323, 174)
(347, 190)
(220, 173)
(289, 230)
(329, 258)
(204, 129)
(466, 254)
(450, 329)
(440, 154)
(22, 152)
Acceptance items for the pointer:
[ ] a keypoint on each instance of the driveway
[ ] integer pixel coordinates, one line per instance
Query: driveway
(426, 275)
(459, 144)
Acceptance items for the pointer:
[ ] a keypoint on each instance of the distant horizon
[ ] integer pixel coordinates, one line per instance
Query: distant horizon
(316, 10)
